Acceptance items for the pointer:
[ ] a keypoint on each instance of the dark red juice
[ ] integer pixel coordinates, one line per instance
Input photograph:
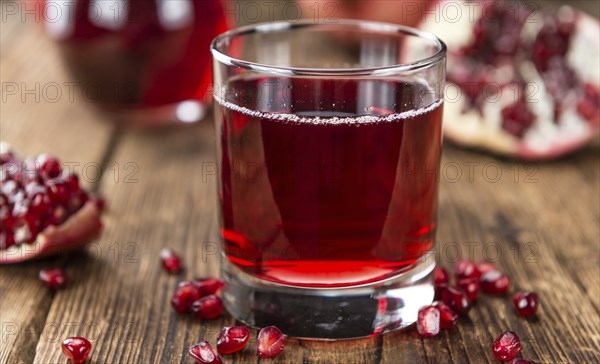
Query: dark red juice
(136, 54)
(328, 182)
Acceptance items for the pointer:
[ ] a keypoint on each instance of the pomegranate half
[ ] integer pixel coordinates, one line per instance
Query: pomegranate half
(43, 210)
(522, 82)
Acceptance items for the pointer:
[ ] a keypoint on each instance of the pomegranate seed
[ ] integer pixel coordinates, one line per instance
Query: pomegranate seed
(76, 348)
(428, 321)
(59, 192)
(207, 308)
(495, 282)
(100, 203)
(208, 285)
(484, 267)
(49, 167)
(448, 318)
(440, 276)
(204, 353)
(185, 294)
(170, 261)
(54, 278)
(521, 361)
(7, 239)
(233, 339)
(507, 346)
(270, 342)
(72, 181)
(465, 268)
(526, 303)
(470, 286)
(456, 299)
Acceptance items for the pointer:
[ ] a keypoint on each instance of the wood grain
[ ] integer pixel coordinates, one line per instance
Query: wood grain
(543, 219)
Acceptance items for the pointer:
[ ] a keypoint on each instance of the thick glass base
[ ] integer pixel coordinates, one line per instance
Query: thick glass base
(341, 313)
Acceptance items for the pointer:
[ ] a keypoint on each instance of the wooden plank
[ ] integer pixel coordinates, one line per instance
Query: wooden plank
(33, 123)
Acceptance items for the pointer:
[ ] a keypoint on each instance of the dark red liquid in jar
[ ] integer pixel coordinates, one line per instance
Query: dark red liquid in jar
(136, 54)
(313, 195)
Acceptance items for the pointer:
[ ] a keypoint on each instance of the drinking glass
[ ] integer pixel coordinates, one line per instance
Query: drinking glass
(328, 146)
(143, 61)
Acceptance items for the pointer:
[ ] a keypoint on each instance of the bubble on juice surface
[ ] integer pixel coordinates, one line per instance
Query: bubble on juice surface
(332, 120)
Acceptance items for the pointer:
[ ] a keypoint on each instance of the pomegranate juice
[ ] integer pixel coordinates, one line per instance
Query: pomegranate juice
(328, 182)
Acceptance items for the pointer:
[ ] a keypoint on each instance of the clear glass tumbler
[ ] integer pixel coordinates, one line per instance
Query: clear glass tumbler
(328, 142)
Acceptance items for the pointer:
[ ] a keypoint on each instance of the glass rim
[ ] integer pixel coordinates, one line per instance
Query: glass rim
(280, 26)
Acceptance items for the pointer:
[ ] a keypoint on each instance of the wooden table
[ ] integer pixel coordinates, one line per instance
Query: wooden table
(541, 218)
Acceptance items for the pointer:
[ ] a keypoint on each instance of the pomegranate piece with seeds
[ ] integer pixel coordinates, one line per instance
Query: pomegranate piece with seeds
(526, 303)
(507, 346)
(54, 278)
(205, 354)
(494, 283)
(428, 321)
(456, 299)
(448, 318)
(77, 349)
(43, 210)
(184, 296)
(270, 342)
(207, 308)
(233, 339)
(525, 79)
(170, 261)
(208, 285)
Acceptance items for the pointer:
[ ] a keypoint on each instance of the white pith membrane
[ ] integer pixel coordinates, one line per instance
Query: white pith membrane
(546, 137)
(76, 231)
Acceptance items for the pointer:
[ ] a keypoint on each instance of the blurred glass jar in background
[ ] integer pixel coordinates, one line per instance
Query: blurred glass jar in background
(147, 62)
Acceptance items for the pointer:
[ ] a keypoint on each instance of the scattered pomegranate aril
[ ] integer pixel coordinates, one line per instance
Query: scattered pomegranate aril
(521, 361)
(205, 354)
(170, 261)
(526, 303)
(507, 346)
(184, 296)
(465, 268)
(494, 283)
(41, 204)
(54, 278)
(233, 339)
(440, 275)
(207, 308)
(448, 318)
(456, 299)
(484, 267)
(270, 342)
(428, 321)
(76, 348)
(208, 285)
(470, 286)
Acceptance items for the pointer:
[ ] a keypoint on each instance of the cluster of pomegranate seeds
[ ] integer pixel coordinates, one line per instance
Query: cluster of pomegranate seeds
(204, 353)
(507, 346)
(428, 321)
(76, 349)
(198, 297)
(170, 261)
(270, 342)
(207, 308)
(526, 303)
(517, 118)
(54, 278)
(233, 339)
(457, 300)
(34, 193)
